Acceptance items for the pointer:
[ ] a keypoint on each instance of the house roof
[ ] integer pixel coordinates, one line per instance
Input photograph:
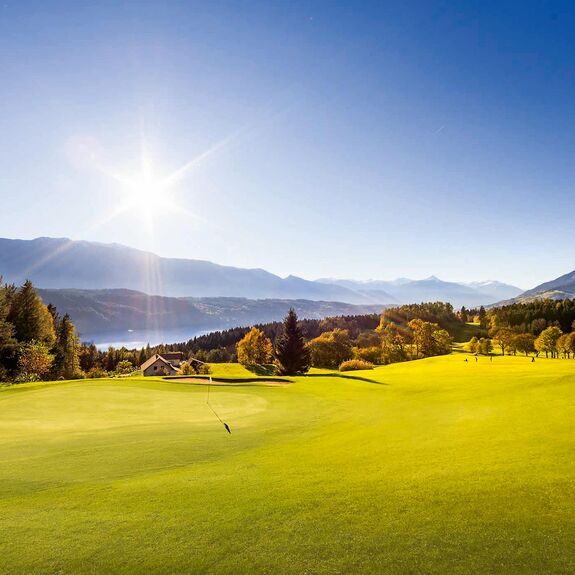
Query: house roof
(153, 359)
(172, 355)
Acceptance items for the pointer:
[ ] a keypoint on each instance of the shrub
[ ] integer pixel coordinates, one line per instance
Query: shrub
(97, 372)
(330, 348)
(204, 369)
(124, 367)
(369, 354)
(355, 364)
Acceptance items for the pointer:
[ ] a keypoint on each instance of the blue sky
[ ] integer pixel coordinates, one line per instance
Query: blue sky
(342, 139)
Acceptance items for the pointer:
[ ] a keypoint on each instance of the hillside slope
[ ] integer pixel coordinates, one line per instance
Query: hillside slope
(562, 287)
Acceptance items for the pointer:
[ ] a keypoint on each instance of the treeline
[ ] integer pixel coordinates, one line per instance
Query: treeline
(534, 317)
(542, 326)
(35, 341)
(400, 334)
(220, 346)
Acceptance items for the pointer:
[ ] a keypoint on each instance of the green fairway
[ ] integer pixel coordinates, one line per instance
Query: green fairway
(435, 466)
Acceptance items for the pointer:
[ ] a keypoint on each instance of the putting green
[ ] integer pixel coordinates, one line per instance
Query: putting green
(435, 466)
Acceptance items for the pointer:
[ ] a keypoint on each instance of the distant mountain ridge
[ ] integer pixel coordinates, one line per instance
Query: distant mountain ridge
(62, 263)
(404, 290)
(57, 263)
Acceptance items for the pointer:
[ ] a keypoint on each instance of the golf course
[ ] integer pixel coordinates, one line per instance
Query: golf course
(430, 466)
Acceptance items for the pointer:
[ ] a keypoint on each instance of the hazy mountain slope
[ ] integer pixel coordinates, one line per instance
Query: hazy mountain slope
(560, 288)
(62, 263)
(101, 315)
(496, 290)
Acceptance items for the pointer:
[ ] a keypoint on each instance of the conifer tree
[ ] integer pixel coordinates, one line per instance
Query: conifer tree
(6, 328)
(67, 364)
(31, 319)
(292, 355)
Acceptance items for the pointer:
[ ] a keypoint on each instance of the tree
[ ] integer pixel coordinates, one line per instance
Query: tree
(124, 367)
(393, 343)
(441, 342)
(547, 340)
(564, 346)
(473, 345)
(292, 355)
(571, 343)
(370, 354)
(503, 338)
(330, 349)
(482, 316)
(6, 328)
(31, 318)
(254, 348)
(525, 343)
(89, 357)
(484, 346)
(67, 348)
(34, 361)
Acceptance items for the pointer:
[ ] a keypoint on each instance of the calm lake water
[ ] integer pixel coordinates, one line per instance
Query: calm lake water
(140, 339)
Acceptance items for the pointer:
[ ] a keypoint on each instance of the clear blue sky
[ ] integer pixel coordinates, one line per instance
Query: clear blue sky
(345, 139)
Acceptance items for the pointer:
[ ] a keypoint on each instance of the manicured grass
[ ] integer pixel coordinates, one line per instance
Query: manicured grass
(435, 466)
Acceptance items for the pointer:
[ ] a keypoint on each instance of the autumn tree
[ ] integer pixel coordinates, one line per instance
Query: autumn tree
(394, 342)
(34, 361)
(254, 348)
(566, 344)
(525, 343)
(570, 343)
(504, 338)
(547, 341)
(292, 355)
(330, 349)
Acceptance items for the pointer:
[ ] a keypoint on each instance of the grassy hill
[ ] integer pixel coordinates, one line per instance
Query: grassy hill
(434, 466)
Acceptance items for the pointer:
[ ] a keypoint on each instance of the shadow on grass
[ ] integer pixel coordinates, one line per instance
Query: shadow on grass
(231, 381)
(342, 376)
(262, 369)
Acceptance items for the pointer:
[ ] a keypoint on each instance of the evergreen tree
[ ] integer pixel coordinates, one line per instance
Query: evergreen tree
(6, 328)
(67, 364)
(31, 319)
(292, 355)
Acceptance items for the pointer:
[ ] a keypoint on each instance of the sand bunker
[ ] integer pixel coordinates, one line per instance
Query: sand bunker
(231, 382)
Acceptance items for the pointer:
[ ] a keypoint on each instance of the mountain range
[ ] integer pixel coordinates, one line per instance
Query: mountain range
(404, 290)
(57, 263)
(121, 294)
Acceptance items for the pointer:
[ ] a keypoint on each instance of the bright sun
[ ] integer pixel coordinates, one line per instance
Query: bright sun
(148, 197)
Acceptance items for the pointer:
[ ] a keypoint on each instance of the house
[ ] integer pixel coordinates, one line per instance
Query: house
(165, 364)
